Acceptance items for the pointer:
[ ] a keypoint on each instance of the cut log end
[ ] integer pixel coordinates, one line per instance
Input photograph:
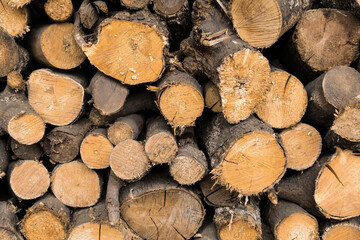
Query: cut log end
(285, 104)
(95, 231)
(297, 226)
(95, 151)
(302, 145)
(186, 170)
(58, 10)
(161, 147)
(243, 168)
(344, 124)
(16, 81)
(129, 161)
(76, 185)
(26, 128)
(135, 4)
(131, 52)
(342, 231)
(236, 229)
(168, 8)
(57, 98)
(257, 22)
(29, 179)
(12, 19)
(342, 175)
(244, 80)
(119, 131)
(212, 97)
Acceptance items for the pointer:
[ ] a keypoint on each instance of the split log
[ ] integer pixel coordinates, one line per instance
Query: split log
(108, 94)
(46, 219)
(289, 221)
(8, 222)
(56, 96)
(180, 99)
(130, 47)
(24, 152)
(350, 5)
(62, 144)
(18, 119)
(245, 157)
(216, 195)
(59, 10)
(92, 223)
(190, 164)
(160, 144)
(302, 145)
(128, 160)
(323, 39)
(128, 127)
(13, 56)
(28, 179)
(18, 3)
(4, 157)
(14, 20)
(349, 229)
(344, 131)
(240, 222)
(95, 149)
(135, 4)
(54, 46)
(212, 97)
(285, 103)
(241, 73)
(159, 208)
(326, 187)
(330, 92)
(75, 185)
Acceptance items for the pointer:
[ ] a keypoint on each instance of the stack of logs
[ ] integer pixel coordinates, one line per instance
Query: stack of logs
(179, 119)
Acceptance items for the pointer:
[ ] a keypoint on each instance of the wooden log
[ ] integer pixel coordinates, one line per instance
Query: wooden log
(190, 164)
(160, 144)
(180, 99)
(53, 45)
(326, 187)
(88, 15)
(216, 195)
(135, 4)
(14, 20)
(108, 94)
(212, 97)
(350, 5)
(239, 222)
(285, 104)
(323, 39)
(289, 221)
(302, 145)
(47, 218)
(59, 10)
(95, 149)
(75, 185)
(18, 119)
(92, 223)
(16, 81)
(237, 154)
(349, 229)
(241, 73)
(128, 127)
(266, 232)
(62, 144)
(24, 152)
(159, 208)
(4, 157)
(128, 160)
(330, 92)
(18, 3)
(8, 222)
(343, 132)
(207, 231)
(28, 179)
(13, 56)
(130, 46)
(56, 96)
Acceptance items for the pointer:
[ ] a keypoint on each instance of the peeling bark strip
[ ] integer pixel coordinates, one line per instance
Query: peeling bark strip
(156, 207)
(245, 157)
(130, 47)
(14, 19)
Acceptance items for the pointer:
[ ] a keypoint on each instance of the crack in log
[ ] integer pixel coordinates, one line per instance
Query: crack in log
(152, 220)
(333, 172)
(177, 231)
(286, 84)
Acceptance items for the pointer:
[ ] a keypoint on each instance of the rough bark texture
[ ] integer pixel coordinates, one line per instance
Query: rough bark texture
(24, 152)
(128, 127)
(350, 5)
(8, 222)
(62, 144)
(4, 157)
(207, 231)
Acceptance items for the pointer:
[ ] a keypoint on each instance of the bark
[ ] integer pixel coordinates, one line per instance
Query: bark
(25, 152)
(8, 221)
(128, 127)
(207, 231)
(350, 5)
(88, 15)
(13, 19)
(4, 157)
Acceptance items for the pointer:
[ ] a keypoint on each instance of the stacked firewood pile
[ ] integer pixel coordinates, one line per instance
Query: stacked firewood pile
(179, 119)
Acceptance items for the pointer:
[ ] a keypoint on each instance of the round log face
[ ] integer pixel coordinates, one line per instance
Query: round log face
(13, 20)
(119, 131)
(297, 226)
(26, 128)
(161, 148)
(186, 170)
(94, 231)
(337, 186)
(252, 164)
(168, 7)
(135, 4)
(164, 214)
(58, 10)
(342, 231)
(95, 151)
(58, 99)
(43, 225)
(257, 22)
(240, 230)
(347, 124)
(128, 51)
